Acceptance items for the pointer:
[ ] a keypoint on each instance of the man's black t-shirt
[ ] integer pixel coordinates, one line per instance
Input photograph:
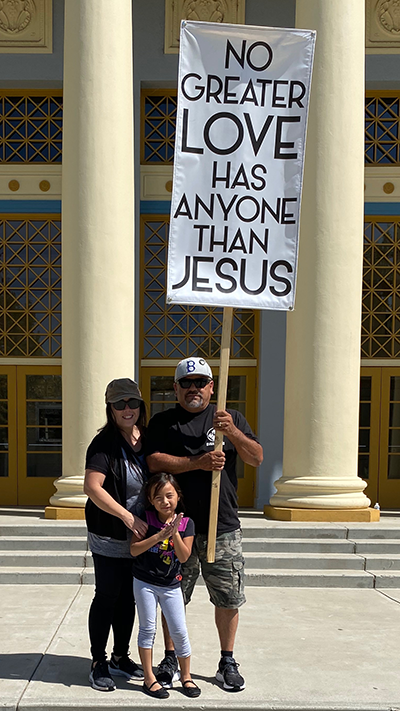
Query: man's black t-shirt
(181, 434)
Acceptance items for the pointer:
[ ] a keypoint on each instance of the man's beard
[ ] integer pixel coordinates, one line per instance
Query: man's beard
(195, 403)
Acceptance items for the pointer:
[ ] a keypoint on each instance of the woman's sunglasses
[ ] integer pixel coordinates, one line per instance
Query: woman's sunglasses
(185, 383)
(132, 403)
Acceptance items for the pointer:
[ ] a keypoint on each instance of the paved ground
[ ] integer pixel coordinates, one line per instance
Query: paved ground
(298, 648)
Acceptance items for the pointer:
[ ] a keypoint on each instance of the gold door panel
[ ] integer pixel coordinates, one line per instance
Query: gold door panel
(39, 432)
(30, 433)
(379, 444)
(8, 436)
(369, 430)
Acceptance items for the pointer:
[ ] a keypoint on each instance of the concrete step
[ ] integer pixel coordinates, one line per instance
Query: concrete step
(69, 529)
(377, 531)
(40, 576)
(387, 547)
(254, 577)
(386, 579)
(272, 530)
(65, 559)
(59, 543)
(44, 559)
(309, 579)
(382, 562)
(304, 561)
(297, 545)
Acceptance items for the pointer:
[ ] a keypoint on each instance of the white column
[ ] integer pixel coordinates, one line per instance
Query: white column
(323, 332)
(97, 225)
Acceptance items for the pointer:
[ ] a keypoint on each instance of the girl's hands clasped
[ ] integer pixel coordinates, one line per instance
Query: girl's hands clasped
(171, 528)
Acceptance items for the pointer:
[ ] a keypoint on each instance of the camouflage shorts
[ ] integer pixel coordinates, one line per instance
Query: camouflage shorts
(224, 578)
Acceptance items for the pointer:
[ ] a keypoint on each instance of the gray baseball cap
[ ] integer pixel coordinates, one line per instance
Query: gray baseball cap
(122, 388)
(192, 366)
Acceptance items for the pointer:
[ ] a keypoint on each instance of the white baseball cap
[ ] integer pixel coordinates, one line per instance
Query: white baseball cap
(192, 366)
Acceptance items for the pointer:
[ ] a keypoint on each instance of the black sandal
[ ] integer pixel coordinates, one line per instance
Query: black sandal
(192, 691)
(157, 693)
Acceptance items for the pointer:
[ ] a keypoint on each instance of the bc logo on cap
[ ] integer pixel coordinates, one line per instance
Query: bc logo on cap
(191, 365)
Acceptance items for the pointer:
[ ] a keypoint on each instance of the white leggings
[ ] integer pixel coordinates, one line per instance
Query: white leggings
(171, 602)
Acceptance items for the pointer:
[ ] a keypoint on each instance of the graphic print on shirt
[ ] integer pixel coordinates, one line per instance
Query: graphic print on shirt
(165, 549)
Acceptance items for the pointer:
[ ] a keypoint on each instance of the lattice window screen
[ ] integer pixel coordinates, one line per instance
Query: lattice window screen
(158, 126)
(174, 331)
(382, 135)
(30, 128)
(30, 287)
(380, 336)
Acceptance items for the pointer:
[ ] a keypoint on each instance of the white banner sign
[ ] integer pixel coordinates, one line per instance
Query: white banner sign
(243, 97)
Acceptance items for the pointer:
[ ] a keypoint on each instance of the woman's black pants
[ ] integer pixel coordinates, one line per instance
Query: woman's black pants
(113, 606)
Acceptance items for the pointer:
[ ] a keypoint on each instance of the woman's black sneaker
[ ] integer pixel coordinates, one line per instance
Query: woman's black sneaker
(167, 671)
(100, 677)
(125, 667)
(228, 674)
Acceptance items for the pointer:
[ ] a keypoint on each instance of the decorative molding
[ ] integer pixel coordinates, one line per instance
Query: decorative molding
(232, 11)
(22, 360)
(382, 184)
(213, 362)
(380, 362)
(26, 26)
(32, 181)
(382, 26)
(155, 182)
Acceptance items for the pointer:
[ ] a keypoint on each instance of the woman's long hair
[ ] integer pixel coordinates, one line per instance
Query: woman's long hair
(111, 433)
(111, 427)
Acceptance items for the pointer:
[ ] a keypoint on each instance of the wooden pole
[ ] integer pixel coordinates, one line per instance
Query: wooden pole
(219, 436)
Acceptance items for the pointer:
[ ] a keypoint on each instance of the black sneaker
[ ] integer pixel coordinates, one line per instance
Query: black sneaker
(167, 671)
(100, 678)
(227, 673)
(125, 667)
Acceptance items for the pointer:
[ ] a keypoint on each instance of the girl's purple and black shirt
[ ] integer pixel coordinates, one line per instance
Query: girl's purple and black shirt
(159, 565)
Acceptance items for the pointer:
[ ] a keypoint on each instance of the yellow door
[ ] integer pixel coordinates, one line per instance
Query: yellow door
(379, 443)
(30, 431)
(389, 451)
(8, 436)
(158, 392)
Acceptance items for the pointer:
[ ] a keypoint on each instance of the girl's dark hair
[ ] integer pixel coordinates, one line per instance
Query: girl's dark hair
(156, 483)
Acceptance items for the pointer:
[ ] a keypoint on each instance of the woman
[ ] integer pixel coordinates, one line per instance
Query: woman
(114, 476)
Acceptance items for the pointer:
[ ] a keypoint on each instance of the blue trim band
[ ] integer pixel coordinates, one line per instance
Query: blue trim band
(155, 207)
(382, 208)
(32, 206)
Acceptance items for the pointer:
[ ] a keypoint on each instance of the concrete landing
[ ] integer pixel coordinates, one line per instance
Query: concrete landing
(298, 649)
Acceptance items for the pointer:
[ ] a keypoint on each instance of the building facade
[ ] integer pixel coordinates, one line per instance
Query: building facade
(83, 301)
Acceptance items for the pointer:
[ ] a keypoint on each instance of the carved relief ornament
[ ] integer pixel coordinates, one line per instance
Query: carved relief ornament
(231, 11)
(383, 25)
(25, 26)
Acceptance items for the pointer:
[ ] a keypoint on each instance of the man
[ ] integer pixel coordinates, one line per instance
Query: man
(181, 441)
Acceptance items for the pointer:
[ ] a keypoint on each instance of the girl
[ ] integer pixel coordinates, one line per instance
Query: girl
(157, 576)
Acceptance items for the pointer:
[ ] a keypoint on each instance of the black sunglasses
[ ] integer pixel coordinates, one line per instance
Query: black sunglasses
(185, 383)
(121, 404)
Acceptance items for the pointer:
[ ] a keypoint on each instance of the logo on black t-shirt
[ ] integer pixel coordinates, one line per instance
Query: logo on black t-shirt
(210, 437)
